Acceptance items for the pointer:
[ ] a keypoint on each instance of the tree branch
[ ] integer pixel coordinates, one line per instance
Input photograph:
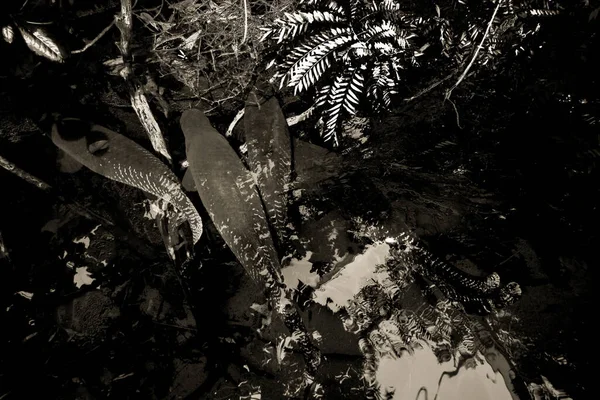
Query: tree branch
(27, 177)
(139, 101)
(466, 71)
(135, 243)
(93, 41)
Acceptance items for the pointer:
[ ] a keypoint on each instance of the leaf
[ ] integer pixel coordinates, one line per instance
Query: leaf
(323, 96)
(8, 33)
(344, 95)
(41, 44)
(311, 61)
(191, 40)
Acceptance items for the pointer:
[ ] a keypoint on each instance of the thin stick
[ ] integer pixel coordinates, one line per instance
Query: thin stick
(245, 21)
(27, 177)
(299, 118)
(93, 42)
(466, 71)
(40, 184)
(291, 121)
(456, 112)
(429, 88)
(3, 249)
(237, 118)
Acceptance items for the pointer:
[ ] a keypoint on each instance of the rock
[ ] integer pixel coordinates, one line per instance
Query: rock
(188, 377)
(88, 314)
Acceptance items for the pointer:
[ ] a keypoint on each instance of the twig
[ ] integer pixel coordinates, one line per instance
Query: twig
(237, 118)
(456, 112)
(245, 2)
(429, 88)
(3, 249)
(175, 326)
(479, 47)
(93, 42)
(291, 121)
(40, 184)
(144, 113)
(7, 165)
(299, 118)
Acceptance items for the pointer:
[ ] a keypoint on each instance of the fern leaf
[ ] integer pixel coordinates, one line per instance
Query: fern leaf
(384, 30)
(542, 13)
(385, 6)
(381, 85)
(333, 114)
(344, 96)
(354, 9)
(390, 5)
(385, 49)
(311, 76)
(332, 6)
(355, 90)
(311, 65)
(298, 23)
(323, 96)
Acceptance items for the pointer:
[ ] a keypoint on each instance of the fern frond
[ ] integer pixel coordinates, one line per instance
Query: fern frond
(333, 114)
(344, 96)
(354, 9)
(330, 5)
(355, 90)
(309, 62)
(381, 86)
(385, 29)
(390, 5)
(385, 49)
(384, 6)
(293, 25)
(542, 12)
(323, 95)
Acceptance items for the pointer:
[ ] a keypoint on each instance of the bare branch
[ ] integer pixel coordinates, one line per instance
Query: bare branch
(245, 4)
(235, 121)
(139, 101)
(93, 41)
(27, 177)
(429, 88)
(466, 71)
(40, 184)
(296, 119)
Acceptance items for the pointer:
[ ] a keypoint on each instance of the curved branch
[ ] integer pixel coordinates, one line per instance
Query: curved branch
(479, 47)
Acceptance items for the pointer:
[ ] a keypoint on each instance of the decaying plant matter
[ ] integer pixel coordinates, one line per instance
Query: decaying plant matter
(213, 47)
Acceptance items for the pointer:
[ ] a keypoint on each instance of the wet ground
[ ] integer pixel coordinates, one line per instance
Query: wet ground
(95, 311)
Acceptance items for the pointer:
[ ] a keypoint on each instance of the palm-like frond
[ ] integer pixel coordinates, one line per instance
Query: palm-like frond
(295, 25)
(309, 63)
(329, 41)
